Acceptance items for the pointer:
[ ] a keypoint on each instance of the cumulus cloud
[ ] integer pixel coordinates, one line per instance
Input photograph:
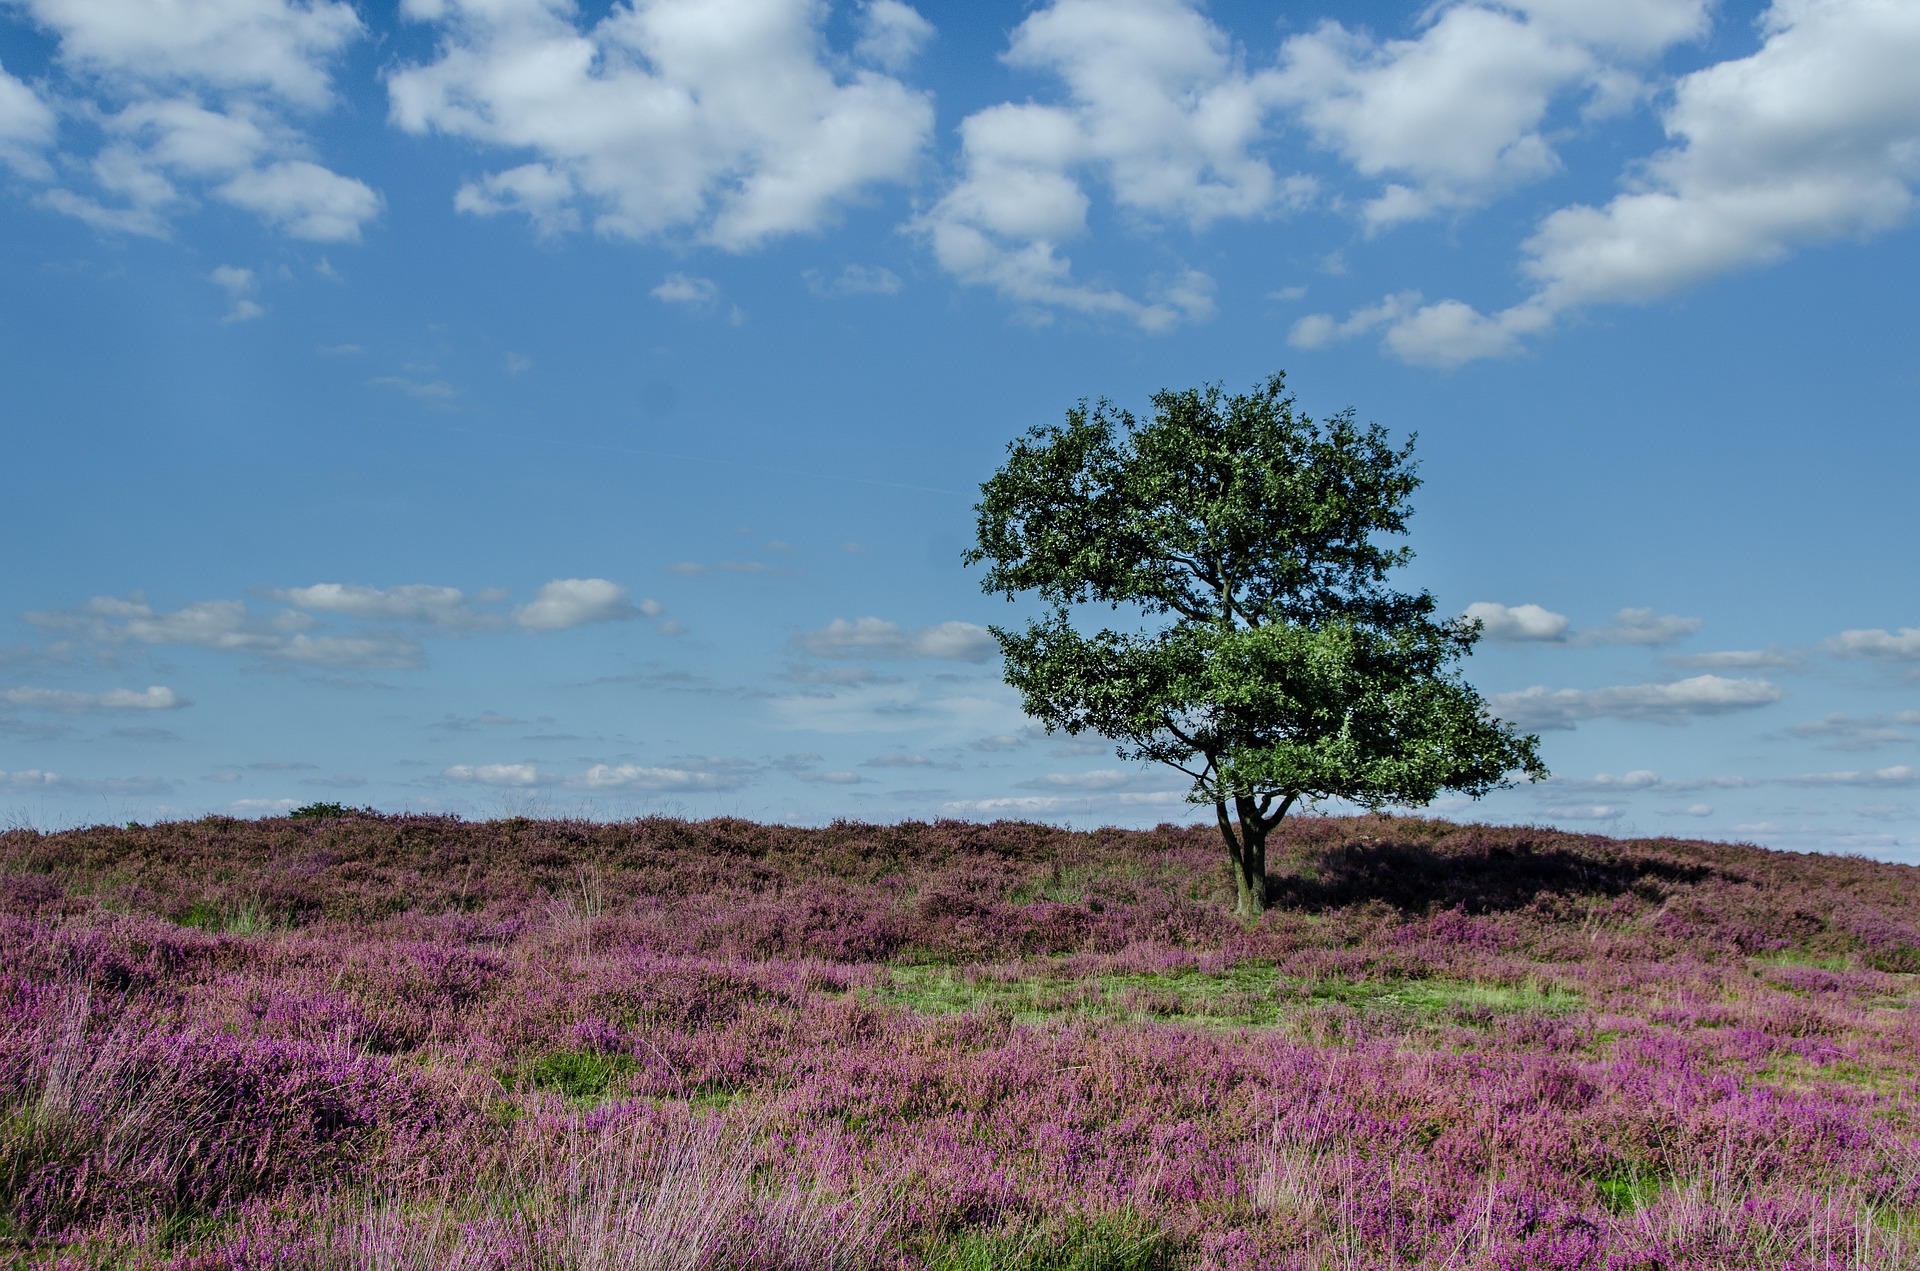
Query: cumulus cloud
(578, 602)
(1158, 113)
(1813, 137)
(1673, 703)
(155, 697)
(1641, 626)
(891, 34)
(1518, 623)
(204, 95)
(1453, 117)
(730, 122)
(1879, 644)
(876, 637)
(1534, 624)
(1459, 114)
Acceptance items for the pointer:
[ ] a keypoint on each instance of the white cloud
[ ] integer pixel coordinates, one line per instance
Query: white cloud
(1441, 335)
(262, 807)
(1641, 626)
(204, 94)
(1898, 776)
(399, 613)
(1518, 622)
(628, 776)
(1540, 707)
(577, 602)
(891, 34)
(421, 603)
(876, 637)
(226, 626)
(680, 289)
(1639, 779)
(512, 775)
(1456, 115)
(1586, 812)
(155, 697)
(1814, 137)
(239, 285)
(540, 191)
(26, 128)
(1532, 623)
(272, 46)
(726, 119)
(305, 200)
(1158, 111)
(1042, 804)
(1882, 645)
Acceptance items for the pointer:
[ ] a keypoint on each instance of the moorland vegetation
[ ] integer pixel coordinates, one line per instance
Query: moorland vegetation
(352, 1040)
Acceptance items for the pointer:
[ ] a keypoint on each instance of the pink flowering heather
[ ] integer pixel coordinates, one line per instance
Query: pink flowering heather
(415, 1042)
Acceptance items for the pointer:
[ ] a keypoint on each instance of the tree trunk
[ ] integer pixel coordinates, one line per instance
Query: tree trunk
(1248, 850)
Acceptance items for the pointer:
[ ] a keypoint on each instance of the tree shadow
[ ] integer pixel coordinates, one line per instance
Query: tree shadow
(1417, 878)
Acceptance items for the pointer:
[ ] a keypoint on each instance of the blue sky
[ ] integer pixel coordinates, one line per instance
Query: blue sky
(496, 406)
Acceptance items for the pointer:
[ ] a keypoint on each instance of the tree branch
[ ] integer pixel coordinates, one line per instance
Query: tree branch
(1268, 822)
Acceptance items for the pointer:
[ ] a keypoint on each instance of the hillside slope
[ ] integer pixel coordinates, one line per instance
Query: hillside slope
(424, 1042)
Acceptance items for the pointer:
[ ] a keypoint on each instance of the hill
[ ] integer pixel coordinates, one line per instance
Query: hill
(419, 1042)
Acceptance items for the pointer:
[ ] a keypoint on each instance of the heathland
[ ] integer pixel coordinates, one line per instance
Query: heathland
(347, 1041)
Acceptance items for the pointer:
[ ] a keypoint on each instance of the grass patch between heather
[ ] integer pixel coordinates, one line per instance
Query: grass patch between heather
(1246, 996)
(1079, 1244)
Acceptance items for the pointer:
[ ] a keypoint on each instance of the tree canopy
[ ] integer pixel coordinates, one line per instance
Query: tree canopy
(1270, 660)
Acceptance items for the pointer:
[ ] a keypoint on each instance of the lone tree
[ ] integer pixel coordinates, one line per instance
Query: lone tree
(1270, 662)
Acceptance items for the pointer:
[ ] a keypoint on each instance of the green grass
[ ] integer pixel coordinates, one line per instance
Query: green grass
(1078, 1244)
(243, 919)
(1791, 1072)
(576, 1074)
(1255, 996)
(1629, 1190)
(1800, 958)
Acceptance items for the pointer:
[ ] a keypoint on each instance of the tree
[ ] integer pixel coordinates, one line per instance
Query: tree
(1270, 661)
